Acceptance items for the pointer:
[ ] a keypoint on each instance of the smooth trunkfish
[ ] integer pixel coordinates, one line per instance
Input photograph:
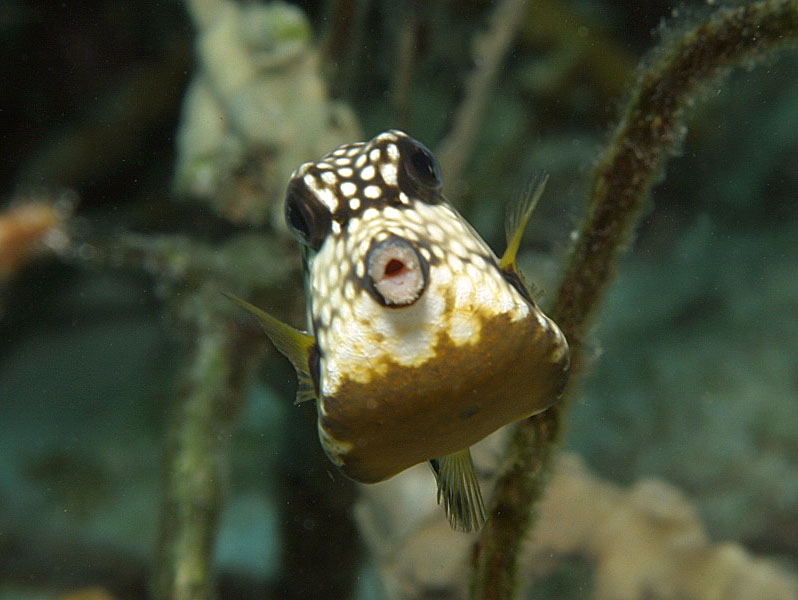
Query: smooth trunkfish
(421, 341)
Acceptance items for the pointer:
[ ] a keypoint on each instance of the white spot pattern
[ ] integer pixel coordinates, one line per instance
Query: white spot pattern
(388, 172)
(372, 191)
(464, 285)
(348, 189)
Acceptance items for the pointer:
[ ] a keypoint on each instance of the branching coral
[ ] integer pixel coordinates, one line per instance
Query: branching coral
(217, 369)
(489, 52)
(644, 541)
(256, 108)
(650, 129)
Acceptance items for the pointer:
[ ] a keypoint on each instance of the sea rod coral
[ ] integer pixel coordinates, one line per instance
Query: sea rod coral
(650, 130)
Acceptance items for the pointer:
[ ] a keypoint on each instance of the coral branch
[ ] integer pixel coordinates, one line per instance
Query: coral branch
(255, 108)
(650, 130)
(193, 488)
(342, 41)
(406, 51)
(219, 365)
(490, 49)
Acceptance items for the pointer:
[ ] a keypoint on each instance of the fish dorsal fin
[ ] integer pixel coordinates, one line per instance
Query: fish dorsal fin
(518, 216)
(459, 489)
(297, 346)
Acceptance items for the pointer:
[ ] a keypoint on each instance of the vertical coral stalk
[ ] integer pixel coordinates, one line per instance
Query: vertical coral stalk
(490, 49)
(190, 512)
(342, 41)
(651, 128)
(196, 458)
(406, 54)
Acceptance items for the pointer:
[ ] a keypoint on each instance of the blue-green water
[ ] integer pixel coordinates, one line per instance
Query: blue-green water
(693, 380)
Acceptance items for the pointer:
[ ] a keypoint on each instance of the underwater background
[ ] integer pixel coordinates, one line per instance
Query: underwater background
(146, 148)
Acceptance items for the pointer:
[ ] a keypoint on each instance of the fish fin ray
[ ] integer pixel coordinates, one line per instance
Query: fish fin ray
(294, 344)
(459, 490)
(305, 390)
(518, 216)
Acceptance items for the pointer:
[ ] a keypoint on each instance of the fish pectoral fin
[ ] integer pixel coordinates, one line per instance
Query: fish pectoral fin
(517, 217)
(297, 346)
(305, 390)
(459, 488)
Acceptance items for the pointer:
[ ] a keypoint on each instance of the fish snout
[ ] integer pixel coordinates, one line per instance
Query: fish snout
(396, 273)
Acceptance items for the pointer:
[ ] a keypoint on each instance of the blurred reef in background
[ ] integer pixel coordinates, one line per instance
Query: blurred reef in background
(145, 161)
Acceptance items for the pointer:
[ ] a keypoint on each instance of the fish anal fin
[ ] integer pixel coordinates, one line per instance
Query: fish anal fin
(518, 216)
(459, 491)
(297, 346)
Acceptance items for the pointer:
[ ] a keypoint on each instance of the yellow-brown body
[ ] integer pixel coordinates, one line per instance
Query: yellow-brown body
(412, 414)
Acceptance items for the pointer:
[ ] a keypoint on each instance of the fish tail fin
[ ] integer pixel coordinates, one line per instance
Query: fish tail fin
(459, 489)
(297, 346)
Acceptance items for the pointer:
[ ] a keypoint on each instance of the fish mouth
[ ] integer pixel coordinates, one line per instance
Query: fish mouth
(396, 273)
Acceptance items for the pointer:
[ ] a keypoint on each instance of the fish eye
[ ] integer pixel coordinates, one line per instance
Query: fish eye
(307, 219)
(421, 165)
(425, 168)
(296, 217)
(396, 274)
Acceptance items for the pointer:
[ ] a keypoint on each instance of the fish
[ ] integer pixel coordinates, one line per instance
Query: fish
(420, 341)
